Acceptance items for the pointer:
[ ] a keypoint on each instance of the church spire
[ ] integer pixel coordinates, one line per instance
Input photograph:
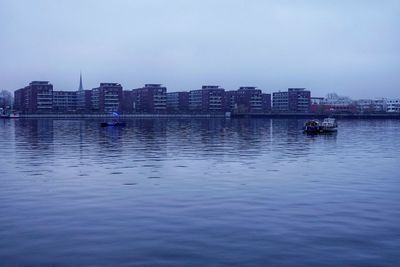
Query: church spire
(80, 82)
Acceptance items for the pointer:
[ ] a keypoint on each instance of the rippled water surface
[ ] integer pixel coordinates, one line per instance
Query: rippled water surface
(210, 192)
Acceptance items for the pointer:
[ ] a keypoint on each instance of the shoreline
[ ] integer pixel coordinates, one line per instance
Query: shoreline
(318, 116)
(202, 116)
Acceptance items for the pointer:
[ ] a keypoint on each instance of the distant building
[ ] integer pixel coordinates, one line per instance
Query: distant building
(64, 101)
(152, 98)
(392, 105)
(316, 100)
(316, 104)
(333, 103)
(380, 105)
(107, 97)
(364, 106)
(371, 105)
(178, 102)
(293, 100)
(334, 99)
(208, 99)
(37, 97)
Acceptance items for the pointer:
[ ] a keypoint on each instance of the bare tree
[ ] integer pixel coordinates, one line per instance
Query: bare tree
(6, 99)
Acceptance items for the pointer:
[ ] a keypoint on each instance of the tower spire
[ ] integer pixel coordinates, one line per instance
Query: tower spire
(80, 81)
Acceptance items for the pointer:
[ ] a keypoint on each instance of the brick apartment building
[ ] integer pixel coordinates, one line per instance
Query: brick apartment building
(65, 101)
(37, 97)
(266, 102)
(107, 98)
(294, 100)
(152, 98)
(208, 99)
(178, 102)
(247, 100)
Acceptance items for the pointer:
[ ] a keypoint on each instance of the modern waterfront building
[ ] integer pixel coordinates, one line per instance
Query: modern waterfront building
(208, 99)
(294, 100)
(64, 101)
(107, 98)
(152, 98)
(37, 97)
(178, 102)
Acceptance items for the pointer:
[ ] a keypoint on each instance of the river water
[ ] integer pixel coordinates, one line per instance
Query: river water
(199, 192)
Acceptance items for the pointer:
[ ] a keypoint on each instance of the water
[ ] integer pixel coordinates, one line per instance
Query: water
(199, 193)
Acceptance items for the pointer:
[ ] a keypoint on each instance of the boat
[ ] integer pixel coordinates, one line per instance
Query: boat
(4, 116)
(329, 125)
(113, 124)
(14, 115)
(312, 127)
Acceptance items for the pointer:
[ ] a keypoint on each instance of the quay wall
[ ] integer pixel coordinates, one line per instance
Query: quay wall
(317, 116)
(100, 116)
(234, 115)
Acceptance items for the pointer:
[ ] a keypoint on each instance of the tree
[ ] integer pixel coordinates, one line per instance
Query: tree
(5, 99)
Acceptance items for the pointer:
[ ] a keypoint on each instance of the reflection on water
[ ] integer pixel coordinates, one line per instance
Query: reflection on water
(183, 192)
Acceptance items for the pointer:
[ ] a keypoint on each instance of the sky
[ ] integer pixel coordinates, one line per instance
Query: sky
(348, 47)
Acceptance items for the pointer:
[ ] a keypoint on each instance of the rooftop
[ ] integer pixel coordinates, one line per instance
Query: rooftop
(38, 82)
(296, 89)
(110, 84)
(152, 85)
(247, 88)
(210, 87)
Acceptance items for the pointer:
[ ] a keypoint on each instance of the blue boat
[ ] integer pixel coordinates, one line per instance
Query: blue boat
(113, 124)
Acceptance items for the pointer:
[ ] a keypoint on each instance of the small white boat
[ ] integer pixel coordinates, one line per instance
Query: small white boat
(329, 125)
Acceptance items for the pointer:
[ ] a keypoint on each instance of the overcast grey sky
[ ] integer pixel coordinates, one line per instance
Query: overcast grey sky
(348, 47)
